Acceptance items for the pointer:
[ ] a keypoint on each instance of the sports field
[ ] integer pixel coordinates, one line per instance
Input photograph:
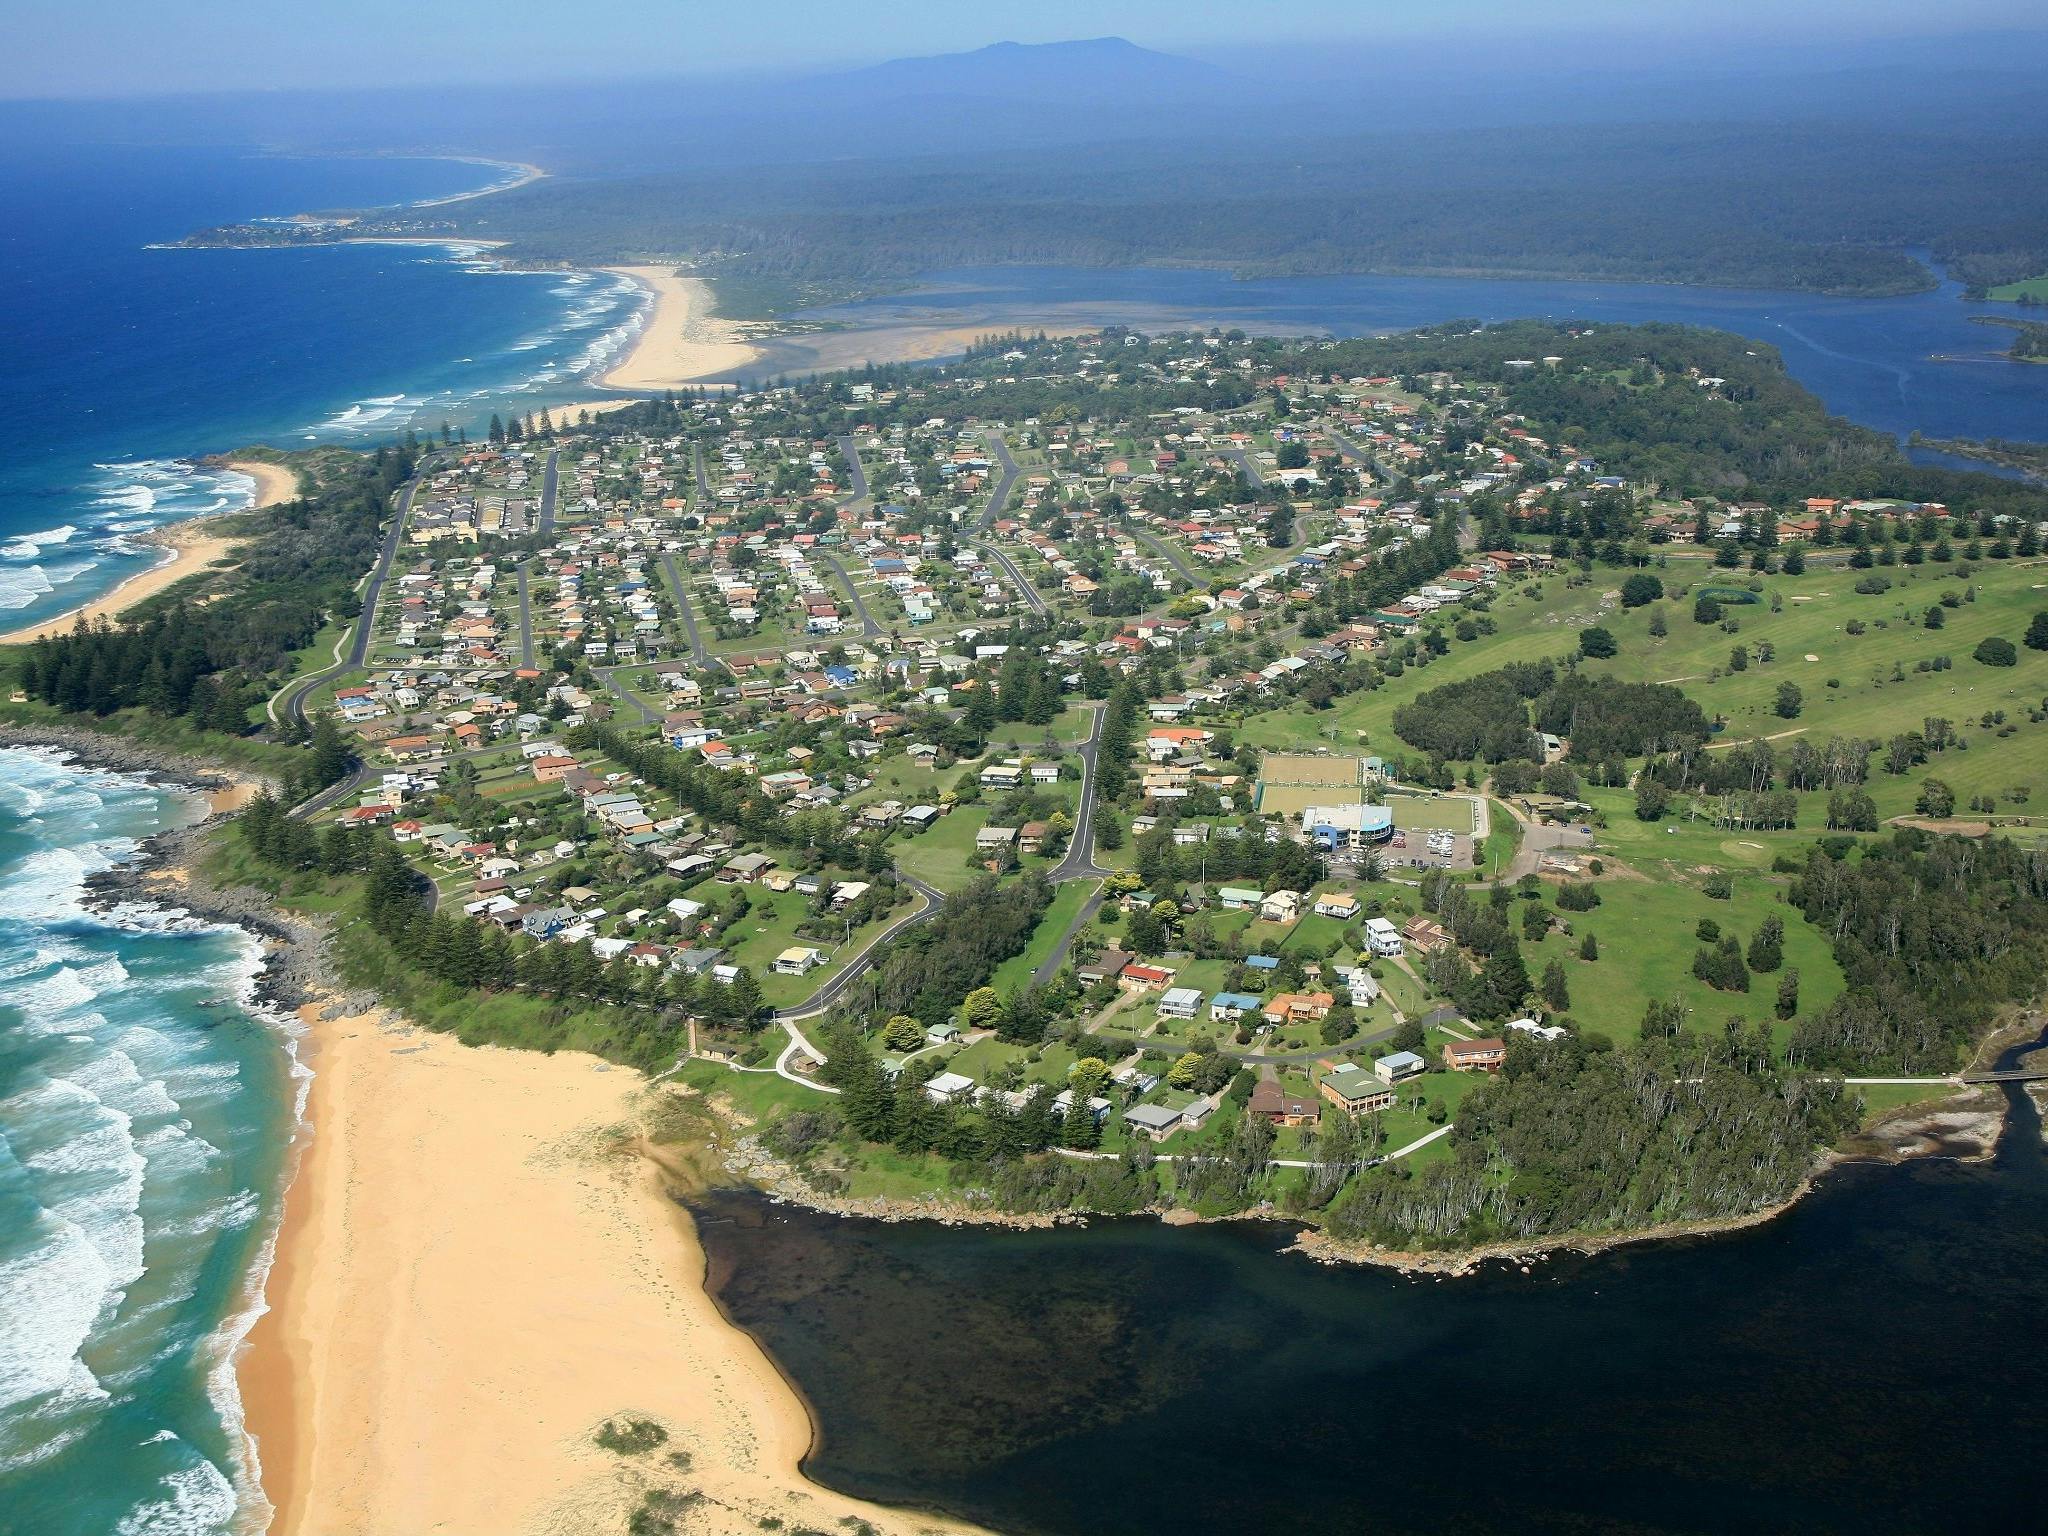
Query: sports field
(1417, 813)
(1293, 799)
(1315, 768)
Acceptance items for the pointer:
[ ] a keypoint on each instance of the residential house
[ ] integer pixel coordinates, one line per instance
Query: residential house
(1475, 1055)
(1355, 1091)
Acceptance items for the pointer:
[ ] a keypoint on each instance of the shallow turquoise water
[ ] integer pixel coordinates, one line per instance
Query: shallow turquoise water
(145, 1113)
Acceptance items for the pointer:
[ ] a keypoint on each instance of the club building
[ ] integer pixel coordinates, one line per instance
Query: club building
(1337, 828)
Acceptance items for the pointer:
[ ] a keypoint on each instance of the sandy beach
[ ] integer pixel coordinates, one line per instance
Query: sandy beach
(682, 341)
(190, 546)
(476, 1270)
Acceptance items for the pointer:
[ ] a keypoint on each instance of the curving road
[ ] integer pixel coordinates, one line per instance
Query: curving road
(930, 899)
(1033, 598)
(1007, 479)
(1079, 864)
(359, 644)
(1244, 463)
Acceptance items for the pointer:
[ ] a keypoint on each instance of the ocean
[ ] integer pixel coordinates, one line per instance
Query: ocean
(122, 359)
(146, 1109)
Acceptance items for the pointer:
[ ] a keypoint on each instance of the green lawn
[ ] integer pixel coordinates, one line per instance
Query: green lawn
(939, 856)
(2035, 288)
(1645, 930)
(1068, 899)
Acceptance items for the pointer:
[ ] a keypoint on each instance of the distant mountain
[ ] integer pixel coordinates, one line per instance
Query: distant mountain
(1090, 68)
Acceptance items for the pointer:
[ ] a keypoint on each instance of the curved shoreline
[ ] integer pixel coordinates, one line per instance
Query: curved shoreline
(682, 340)
(190, 546)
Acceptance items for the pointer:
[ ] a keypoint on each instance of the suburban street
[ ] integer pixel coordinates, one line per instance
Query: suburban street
(1007, 478)
(1169, 554)
(684, 610)
(548, 489)
(868, 626)
(930, 899)
(366, 621)
(1033, 599)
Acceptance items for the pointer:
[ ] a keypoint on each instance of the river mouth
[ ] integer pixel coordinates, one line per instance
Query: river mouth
(1146, 1378)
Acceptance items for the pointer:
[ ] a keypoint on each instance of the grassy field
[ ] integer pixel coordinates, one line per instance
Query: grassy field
(1067, 901)
(2035, 288)
(1646, 934)
(1862, 684)
(1858, 685)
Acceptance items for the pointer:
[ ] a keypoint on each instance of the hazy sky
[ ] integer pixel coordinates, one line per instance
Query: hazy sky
(127, 47)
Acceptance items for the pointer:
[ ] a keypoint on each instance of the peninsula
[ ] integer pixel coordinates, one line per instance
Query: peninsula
(1425, 788)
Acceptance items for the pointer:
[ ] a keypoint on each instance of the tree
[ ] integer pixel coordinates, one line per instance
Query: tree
(1556, 992)
(1705, 610)
(1652, 799)
(1658, 628)
(1788, 995)
(1639, 589)
(1936, 799)
(981, 1008)
(1596, 643)
(1934, 617)
(2037, 632)
(1184, 1071)
(902, 1033)
(1767, 945)
(1590, 949)
(1789, 701)
(1995, 652)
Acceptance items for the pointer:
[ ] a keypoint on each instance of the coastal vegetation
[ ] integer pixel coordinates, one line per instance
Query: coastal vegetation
(1644, 552)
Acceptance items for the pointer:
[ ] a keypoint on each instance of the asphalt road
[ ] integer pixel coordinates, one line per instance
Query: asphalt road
(525, 619)
(931, 899)
(868, 626)
(1007, 478)
(856, 471)
(547, 495)
(689, 615)
(1166, 552)
(1033, 599)
(366, 621)
(1251, 470)
(1079, 864)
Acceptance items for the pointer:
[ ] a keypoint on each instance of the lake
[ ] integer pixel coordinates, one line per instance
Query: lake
(1905, 364)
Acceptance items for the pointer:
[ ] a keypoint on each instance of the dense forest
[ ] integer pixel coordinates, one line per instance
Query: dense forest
(1751, 205)
(1488, 717)
(1935, 934)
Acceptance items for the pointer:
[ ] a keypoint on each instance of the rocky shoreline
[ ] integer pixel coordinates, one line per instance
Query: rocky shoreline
(167, 869)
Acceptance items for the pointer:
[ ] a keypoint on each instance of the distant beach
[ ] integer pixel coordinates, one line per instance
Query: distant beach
(190, 546)
(683, 341)
(477, 1269)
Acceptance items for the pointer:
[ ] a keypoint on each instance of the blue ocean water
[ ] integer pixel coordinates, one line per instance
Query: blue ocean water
(118, 360)
(143, 1133)
(145, 1112)
(1916, 362)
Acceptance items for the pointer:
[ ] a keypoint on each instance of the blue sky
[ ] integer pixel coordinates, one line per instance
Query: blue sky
(127, 47)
